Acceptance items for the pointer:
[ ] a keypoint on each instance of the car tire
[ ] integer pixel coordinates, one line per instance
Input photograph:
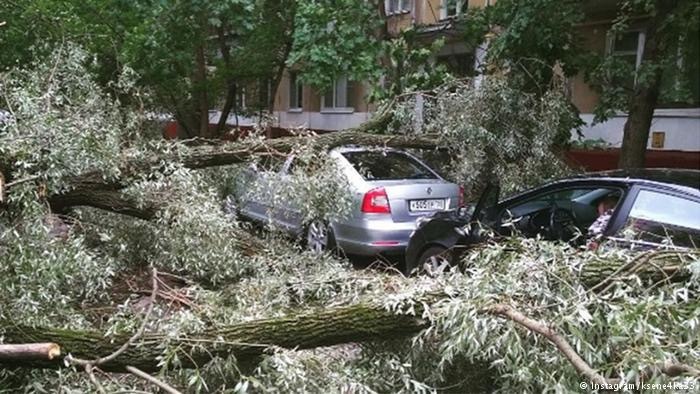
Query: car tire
(319, 237)
(434, 260)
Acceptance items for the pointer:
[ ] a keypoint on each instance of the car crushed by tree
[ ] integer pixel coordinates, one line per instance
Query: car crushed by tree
(385, 190)
(642, 208)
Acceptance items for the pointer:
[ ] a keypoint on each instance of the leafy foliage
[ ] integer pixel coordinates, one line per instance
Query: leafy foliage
(60, 122)
(530, 39)
(495, 132)
(674, 65)
(53, 268)
(333, 38)
(610, 330)
(408, 67)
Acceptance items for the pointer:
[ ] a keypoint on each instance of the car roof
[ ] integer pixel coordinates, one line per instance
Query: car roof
(685, 181)
(671, 176)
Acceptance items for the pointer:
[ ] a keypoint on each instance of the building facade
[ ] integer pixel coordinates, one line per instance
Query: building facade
(676, 126)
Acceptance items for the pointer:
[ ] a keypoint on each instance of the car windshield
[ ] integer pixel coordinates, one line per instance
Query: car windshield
(382, 165)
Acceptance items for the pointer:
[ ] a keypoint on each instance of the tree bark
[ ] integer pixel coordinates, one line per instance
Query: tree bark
(200, 87)
(646, 93)
(10, 353)
(92, 190)
(284, 51)
(653, 267)
(230, 84)
(357, 323)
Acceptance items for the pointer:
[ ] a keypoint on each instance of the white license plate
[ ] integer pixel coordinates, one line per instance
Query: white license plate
(426, 205)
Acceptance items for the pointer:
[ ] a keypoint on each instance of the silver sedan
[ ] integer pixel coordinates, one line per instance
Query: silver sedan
(392, 189)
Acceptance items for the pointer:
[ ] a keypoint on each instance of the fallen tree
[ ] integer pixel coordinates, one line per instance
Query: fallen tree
(367, 321)
(92, 189)
(333, 326)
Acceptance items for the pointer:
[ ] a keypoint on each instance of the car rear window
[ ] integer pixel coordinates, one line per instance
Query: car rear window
(378, 166)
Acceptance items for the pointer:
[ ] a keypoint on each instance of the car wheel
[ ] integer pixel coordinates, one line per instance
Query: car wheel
(319, 237)
(434, 260)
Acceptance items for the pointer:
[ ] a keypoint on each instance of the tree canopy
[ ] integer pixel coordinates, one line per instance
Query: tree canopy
(535, 40)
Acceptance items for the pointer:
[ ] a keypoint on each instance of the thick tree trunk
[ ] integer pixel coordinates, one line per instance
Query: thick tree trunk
(652, 267)
(230, 84)
(646, 93)
(636, 130)
(92, 190)
(226, 109)
(200, 87)
(362, 322)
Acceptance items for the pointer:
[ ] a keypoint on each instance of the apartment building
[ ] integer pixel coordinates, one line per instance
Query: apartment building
(676, 125)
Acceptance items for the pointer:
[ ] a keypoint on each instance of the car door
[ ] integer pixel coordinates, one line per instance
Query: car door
(257, 196)
(285, 211)
(564, 212)
(655, 218)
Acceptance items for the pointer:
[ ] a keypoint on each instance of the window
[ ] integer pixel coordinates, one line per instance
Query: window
(628, 47)
(393, 7)
(378, 166)
(240, 102)
(263, 89)
(451, 8)
(627, 50)
(338, 96)
(295, 92)
(253, 96)
(582, 203)
(658, 217)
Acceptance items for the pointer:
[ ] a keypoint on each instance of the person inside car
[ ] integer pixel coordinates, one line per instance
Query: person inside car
(606, 207)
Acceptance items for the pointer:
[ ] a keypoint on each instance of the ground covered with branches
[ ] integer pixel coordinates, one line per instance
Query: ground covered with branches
(165, 271)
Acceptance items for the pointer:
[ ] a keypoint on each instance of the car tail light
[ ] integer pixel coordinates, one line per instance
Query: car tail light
(460, 200)
(376, 201)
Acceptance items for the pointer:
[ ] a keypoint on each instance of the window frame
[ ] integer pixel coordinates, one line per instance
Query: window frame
(296, 93)
(638, 52)
(334, 107)
(619, 218)
(404, 7)
(460, 6)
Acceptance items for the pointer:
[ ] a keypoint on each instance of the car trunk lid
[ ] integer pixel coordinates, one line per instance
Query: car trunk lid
(411, 199)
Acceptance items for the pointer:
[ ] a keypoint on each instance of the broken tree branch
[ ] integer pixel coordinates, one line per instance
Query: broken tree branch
(92, 190)
(29, 351)
(356, 323)
(149, 378)
(560, 342)
(581, 366)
